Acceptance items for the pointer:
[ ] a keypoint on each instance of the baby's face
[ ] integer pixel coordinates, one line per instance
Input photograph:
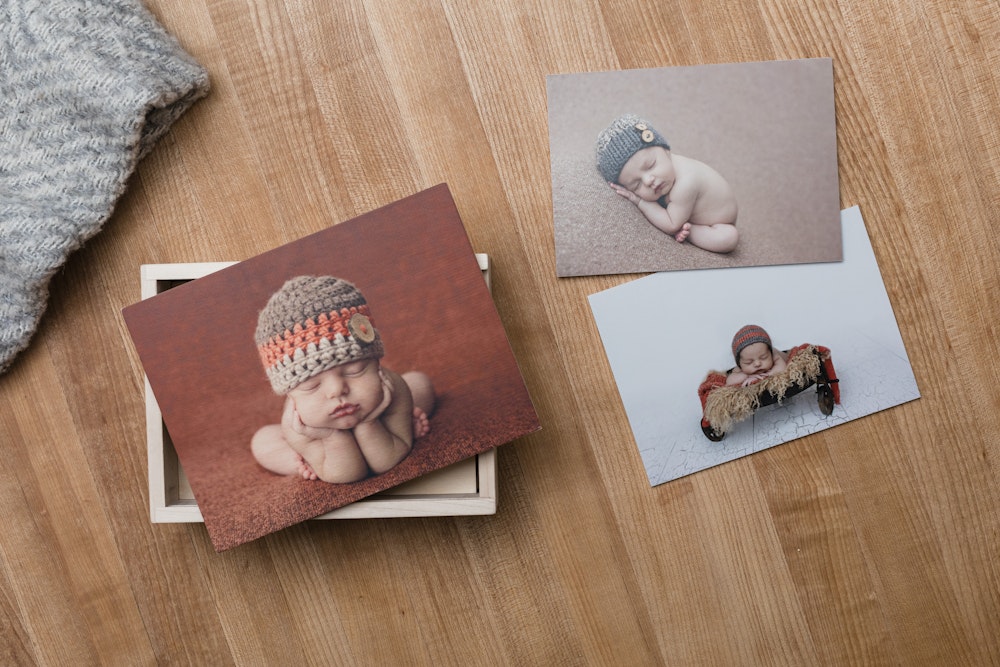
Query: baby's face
(756, 358)
(649, 173)
(341, 397)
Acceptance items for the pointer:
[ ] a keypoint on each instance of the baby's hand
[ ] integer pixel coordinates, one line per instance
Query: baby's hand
(626, 193)
(297, 433)
(386, 398)
(754, 378)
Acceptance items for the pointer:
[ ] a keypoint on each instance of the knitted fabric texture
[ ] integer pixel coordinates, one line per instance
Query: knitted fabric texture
(622, 139)
(86, 90)
(746, 336)
(310, 325)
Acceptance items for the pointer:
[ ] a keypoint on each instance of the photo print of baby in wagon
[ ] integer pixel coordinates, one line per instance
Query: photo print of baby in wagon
(704, 166)
(718, 364)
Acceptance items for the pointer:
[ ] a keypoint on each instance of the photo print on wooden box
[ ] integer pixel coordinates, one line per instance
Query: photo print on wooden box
(331, 368)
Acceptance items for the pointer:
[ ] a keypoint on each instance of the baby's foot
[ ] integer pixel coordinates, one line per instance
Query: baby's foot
(421, 424)
(682, 235)
(306, 470)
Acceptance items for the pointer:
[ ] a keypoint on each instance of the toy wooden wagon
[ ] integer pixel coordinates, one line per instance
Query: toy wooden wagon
(808, 365)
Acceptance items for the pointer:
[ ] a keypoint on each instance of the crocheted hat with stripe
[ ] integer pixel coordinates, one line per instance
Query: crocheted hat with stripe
(749, 335)
(312, 324)
(619, 141)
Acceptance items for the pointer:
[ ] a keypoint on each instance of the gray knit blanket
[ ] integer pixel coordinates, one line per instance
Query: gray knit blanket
(86, 89)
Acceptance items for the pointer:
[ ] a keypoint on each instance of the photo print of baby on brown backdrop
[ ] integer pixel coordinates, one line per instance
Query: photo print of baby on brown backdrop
(331, 368)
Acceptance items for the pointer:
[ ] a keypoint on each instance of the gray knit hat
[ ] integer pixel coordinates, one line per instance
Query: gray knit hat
(622, 139)
(310, 325)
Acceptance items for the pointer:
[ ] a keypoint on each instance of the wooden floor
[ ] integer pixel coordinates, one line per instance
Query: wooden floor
(877, 542)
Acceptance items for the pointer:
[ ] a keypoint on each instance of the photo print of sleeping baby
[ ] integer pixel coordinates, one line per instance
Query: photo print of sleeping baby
(331, 368)
(718, 364)
(706, 166)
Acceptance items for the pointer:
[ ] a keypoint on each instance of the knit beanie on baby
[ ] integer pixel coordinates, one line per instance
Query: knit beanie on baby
(749, 335)
(310, 325)
(622, 139)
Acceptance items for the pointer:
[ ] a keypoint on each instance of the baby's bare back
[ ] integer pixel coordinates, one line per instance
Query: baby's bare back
(710, 197)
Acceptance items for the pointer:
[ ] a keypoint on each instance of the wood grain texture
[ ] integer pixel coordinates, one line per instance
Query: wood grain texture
(876, 542)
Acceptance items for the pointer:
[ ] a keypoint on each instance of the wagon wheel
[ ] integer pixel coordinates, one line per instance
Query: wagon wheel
(710, 433)
(824, 396)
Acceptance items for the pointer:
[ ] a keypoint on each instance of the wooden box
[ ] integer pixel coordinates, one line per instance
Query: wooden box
(464, 488)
